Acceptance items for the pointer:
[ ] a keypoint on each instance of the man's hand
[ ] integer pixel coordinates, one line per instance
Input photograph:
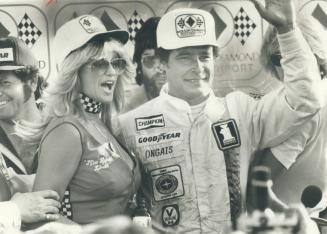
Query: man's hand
(306, 224)
(37, 206)
(280, 13)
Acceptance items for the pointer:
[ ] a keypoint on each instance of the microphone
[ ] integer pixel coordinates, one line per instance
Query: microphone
(311, 196)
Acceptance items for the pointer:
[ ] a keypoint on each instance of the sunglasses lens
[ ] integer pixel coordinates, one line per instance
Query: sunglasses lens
(275, 59)
(102, 65)
(150, 61)
(118, 65)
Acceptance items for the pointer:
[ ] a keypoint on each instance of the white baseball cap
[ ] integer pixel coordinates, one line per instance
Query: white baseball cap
(77, 32)
(186, 27)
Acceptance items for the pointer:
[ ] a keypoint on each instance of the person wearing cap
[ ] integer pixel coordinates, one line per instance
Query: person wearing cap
(195, 148)
(20, 85)
(301, 161)
(78, 156)
(149, 77)
(19, 89)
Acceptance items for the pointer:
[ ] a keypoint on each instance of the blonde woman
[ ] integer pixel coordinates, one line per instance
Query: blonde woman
(78, 156)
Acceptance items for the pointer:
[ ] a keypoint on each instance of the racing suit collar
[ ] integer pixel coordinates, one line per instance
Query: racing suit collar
(214, 108)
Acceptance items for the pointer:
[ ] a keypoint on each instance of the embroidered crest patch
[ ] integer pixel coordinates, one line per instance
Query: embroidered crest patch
(226, 134)
(167, 183)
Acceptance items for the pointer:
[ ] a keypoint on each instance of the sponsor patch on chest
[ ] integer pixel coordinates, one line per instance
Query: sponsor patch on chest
(159, 138)
(158, 152)
(170, 215)
(155, 121)
(167, 183)
(226, 134)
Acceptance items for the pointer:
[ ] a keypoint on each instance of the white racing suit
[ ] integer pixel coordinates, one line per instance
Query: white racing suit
(183, 161)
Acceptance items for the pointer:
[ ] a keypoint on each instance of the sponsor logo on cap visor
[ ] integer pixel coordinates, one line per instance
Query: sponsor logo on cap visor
(190, 25)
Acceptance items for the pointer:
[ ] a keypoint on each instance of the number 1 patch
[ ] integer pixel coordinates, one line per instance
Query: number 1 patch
(226, 134)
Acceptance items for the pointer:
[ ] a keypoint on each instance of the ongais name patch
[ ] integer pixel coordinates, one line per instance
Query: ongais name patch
(154, 121)
(226, 134)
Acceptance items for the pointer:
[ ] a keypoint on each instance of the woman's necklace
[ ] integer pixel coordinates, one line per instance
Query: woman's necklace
(90, 105)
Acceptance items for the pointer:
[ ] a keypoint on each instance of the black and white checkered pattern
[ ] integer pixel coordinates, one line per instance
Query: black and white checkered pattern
(134, 25)
(243, 25)
(66, 206)
(90, 105)
(256, 95)
(28, 31)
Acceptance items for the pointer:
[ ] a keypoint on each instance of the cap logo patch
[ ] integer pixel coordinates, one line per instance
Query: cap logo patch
(190, 25)
(88, 24)
(6, 54)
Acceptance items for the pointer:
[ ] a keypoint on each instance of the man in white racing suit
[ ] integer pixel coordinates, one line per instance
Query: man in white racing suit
(194, 147)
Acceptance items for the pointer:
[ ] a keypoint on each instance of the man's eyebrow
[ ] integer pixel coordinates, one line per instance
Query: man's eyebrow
(181, 53)
(148, 54)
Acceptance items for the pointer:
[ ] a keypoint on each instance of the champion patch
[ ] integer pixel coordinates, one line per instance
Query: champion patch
(167, 183)
(6, 55)
(190, 25)
(155, 121)
(88, 24)
(226, 134)
(170, 215)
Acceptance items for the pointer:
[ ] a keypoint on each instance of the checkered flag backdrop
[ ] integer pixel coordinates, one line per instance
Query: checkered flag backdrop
(134, 25)
(243, 26)
(28, 31)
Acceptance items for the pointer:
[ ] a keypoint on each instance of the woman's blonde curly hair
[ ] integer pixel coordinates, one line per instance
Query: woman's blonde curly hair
(61, 96)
